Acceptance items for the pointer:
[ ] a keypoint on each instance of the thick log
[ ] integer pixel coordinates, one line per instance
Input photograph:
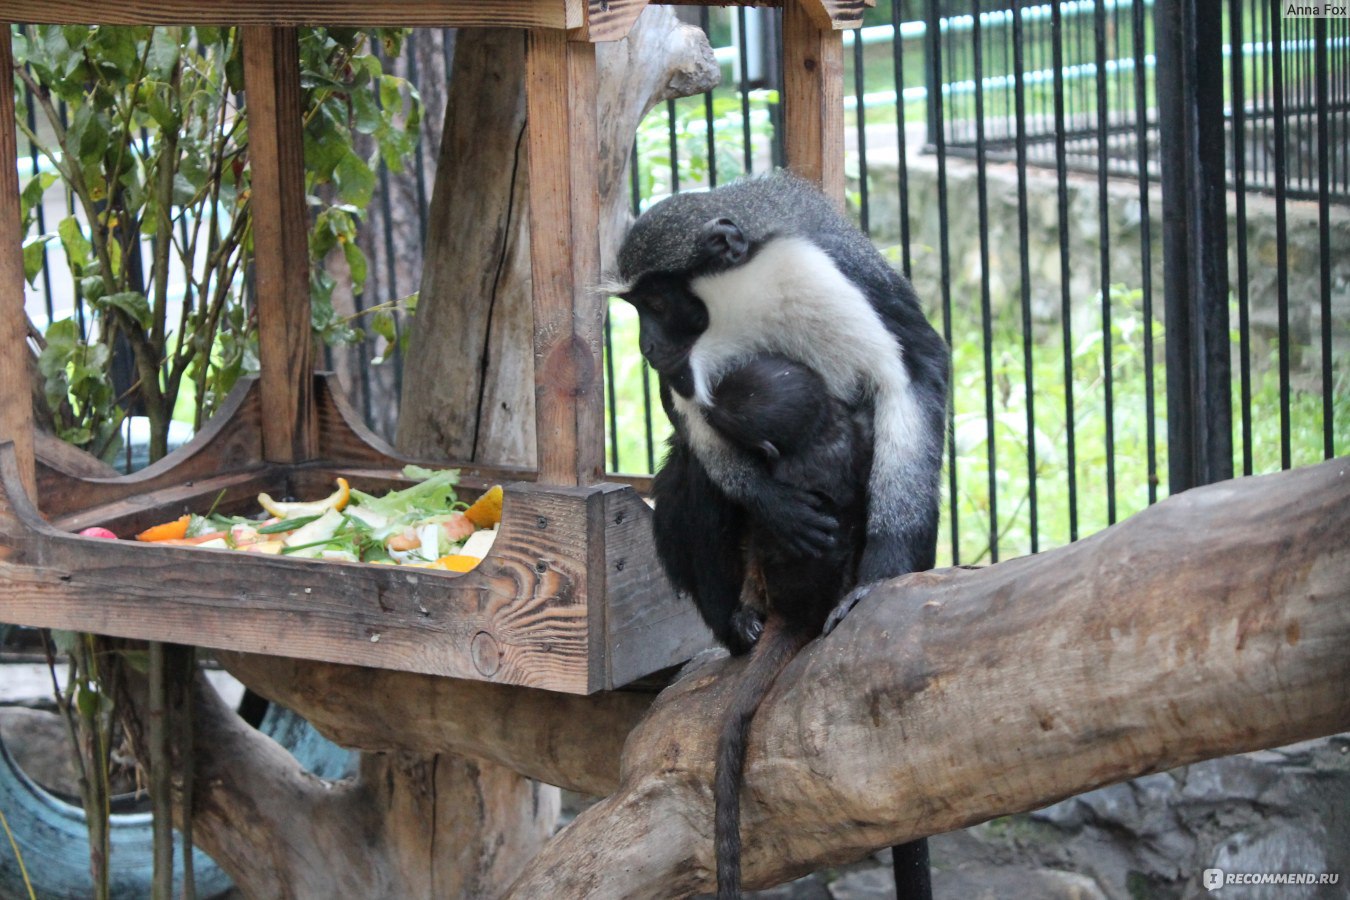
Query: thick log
(1215, 623)
(570, 741)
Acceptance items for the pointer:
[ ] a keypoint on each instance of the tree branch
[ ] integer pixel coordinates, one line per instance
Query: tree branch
(1214, 623)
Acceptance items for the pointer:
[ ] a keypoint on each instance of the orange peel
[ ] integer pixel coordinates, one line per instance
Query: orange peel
(487, 509)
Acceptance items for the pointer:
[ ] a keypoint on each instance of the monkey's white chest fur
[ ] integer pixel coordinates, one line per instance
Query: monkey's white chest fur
(791, 299)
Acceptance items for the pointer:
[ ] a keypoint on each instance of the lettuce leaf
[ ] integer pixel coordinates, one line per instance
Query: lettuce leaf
(433, 495)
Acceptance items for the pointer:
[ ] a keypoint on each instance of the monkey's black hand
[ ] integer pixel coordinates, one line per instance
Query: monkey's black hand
(845, 606)
(747, 624)
(797, 519)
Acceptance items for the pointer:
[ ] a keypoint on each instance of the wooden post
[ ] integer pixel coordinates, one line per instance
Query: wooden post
(16, 401)
(813, 96)
(565, 257)
(280, 242)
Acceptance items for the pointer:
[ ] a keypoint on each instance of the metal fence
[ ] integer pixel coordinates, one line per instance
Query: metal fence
(1006, 156)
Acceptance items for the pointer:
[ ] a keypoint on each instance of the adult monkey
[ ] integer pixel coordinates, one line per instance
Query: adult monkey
(767, 267)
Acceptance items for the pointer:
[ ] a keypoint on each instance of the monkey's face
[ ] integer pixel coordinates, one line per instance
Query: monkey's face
(670, 320)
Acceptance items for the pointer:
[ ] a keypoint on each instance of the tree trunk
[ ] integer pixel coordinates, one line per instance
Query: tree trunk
(1214, 623)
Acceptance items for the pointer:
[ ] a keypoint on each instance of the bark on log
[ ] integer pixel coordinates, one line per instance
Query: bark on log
(1215, 623)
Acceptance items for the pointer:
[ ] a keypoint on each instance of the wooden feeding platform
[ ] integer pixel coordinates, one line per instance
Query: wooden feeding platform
(571, 597)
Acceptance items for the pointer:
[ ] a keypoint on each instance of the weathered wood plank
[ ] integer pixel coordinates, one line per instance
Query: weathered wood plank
(647, 625)
(280, 241)
(813, 97)
(16, 402)
(283, 13)
(233, 493)
(611, 20)
(230, 441)
(565, 255)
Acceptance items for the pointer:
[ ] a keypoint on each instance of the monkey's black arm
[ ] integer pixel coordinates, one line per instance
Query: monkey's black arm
(697, 531)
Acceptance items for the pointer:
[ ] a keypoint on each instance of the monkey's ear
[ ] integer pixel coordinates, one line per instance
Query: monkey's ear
(723, 240)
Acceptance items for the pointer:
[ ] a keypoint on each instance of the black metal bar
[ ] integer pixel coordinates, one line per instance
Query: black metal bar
(1145, 243)
(1104, 256)
(932, 39)
(898, 53)
(1324, 231)
(1195, 244)
(937, 134)
(1024, 268)
(708, 120)
(986, 305)
(860, 117)
(673, 146)
(743, 50)
(1065, 275)
(1237, 103)
(1281, 226)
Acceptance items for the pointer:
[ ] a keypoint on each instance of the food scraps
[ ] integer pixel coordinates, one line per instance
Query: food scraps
(424, 525)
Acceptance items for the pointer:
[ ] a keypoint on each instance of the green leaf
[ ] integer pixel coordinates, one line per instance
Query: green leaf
(367, 115)
(164, 52)
(383, 324)
(134, 304)
(356, 262)
(32, 193)
(78, 249)
(19, 43)
(34, 257)
(355, 181)
(64, 641)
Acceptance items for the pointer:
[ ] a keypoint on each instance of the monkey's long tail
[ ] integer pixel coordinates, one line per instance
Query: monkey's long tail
(774, 650)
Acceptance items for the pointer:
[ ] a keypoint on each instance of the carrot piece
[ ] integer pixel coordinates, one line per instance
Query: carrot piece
(487, 509)
(456, 563)
(166, 531)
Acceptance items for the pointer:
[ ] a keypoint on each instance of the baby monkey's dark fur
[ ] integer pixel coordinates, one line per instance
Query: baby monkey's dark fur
(781, 412)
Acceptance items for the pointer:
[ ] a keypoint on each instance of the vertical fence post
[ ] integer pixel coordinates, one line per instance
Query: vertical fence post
(1195, 243)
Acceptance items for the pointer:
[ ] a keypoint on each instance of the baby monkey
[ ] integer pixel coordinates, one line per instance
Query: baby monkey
(780, 412)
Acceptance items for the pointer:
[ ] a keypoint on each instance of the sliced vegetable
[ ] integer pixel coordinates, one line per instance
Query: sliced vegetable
(479, 544)
(456, 562)
(308, 541)
(487, 509)
(166, 531)
(292, 510)
(287, 524)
